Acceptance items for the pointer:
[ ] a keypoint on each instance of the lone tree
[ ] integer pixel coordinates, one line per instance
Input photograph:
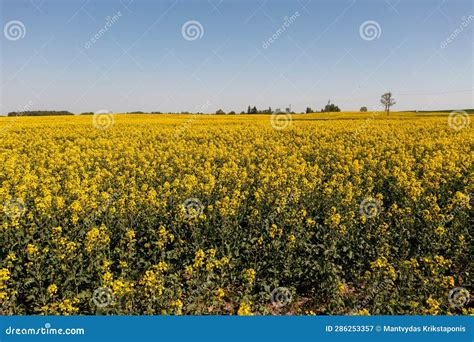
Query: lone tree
(388, 101)
(363, 109)
(330, 107)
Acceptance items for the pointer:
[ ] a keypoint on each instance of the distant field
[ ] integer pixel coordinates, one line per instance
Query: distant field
(340, 213)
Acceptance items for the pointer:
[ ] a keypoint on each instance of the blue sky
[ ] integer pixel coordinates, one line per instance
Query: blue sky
(143, 61)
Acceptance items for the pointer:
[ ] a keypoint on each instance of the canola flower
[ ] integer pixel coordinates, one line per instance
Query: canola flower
(349, 211)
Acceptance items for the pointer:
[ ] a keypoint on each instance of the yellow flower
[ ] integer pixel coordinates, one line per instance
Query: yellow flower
(440, 231)
(249, 275)
(274, 231)
(130, 235)
(52, 289)
(219, 293)
(178, 304)
(31, 249)
(433, 306)
(362, 312)
(4, 276)
(291, 240)
(342, 288)
(162, 266)
(199, 258)
(67, 306)
(153, 283)
(107, 278)
(97, 239)
(165, 237)
(245, 309)
(447, 282)
(121, 288)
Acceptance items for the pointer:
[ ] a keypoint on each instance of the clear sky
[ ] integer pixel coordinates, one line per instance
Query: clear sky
(143, 60)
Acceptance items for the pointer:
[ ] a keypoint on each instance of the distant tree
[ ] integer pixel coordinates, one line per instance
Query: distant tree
(249, 110)
(40, 113)
(220, 111)
(242, 112)
(231, 112)
(388, 101)
(309, 110)
(330, 107)
(87, 113)
(363, 109)
(254, 110)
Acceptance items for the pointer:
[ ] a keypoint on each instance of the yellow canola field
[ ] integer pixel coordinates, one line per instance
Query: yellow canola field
(248, 214)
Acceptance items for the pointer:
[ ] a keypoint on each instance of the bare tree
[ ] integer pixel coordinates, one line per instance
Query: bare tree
(388, 101)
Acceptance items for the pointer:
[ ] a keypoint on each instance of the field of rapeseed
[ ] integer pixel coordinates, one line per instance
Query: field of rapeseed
(176, 214)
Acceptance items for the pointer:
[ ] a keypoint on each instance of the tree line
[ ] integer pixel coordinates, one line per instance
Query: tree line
(386, 99)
